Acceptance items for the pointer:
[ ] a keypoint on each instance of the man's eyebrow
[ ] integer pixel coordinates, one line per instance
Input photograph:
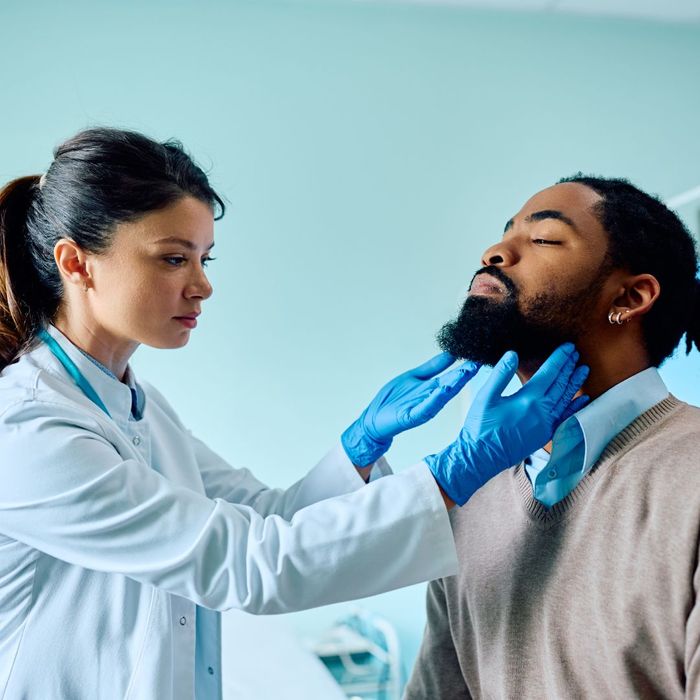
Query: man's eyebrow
(541, 216)
(181, 241)
(550, 214)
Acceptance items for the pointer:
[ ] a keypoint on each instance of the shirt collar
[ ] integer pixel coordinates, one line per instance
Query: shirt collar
(122, 399)
(580, 440)
(613, 411)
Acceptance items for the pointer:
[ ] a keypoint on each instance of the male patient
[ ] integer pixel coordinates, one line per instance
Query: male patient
(578, 573)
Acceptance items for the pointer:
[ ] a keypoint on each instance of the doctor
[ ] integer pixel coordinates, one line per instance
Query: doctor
(121, 534)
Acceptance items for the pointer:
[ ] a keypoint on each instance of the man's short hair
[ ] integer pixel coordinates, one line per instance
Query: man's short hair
(645, 236)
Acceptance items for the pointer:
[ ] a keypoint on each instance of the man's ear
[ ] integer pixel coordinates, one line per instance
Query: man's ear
(636, 297)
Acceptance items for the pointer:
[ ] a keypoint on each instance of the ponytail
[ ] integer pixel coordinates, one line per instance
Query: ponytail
(692, 335)
(19, 317)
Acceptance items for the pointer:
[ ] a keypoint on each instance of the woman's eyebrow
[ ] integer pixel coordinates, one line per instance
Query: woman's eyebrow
(182, 241)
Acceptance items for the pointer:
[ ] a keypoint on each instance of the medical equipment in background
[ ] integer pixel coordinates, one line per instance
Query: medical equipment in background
(683, 198)
(362, 653)
(687, 197)
(264, 658)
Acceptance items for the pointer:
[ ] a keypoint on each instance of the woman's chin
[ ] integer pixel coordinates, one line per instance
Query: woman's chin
(171, 341)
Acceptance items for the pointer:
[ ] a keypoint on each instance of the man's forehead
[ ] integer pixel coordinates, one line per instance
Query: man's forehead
(569, 202)
(571, 198)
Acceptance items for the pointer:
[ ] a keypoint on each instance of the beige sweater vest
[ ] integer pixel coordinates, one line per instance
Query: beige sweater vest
(593, 598)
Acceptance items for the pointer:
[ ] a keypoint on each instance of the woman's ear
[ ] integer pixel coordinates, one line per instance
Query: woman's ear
(70, 260)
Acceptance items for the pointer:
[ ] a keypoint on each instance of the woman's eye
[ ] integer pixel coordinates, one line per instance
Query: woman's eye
(177, 261)
(545, 241)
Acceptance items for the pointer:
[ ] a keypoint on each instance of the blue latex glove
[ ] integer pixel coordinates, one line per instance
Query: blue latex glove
(500, 431)
(407, 401)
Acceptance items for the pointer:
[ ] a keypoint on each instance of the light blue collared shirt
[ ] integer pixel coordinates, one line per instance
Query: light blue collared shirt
(138, 398)
(581, 439)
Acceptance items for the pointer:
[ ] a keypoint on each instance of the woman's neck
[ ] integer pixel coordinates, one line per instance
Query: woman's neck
(109, 351)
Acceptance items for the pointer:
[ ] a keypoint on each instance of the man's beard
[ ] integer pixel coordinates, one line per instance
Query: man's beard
(488, 326)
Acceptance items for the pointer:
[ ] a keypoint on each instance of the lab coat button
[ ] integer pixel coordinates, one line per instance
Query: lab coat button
(183, 621)
(136, 440)
(211, 671)
(552, 473)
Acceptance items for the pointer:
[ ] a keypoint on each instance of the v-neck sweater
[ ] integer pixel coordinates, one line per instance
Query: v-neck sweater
(592, 598)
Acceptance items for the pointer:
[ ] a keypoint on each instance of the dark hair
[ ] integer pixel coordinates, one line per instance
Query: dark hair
(645, 236)
(98, 179)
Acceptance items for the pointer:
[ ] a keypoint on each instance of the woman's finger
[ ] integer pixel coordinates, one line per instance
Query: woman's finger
(576, 405)
(459, 376)
(577, 380)
(446, 387)
(433, 366)
(557, 364)
(503, 371)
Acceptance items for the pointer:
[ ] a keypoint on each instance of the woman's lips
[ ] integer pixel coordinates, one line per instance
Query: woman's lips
(187, 322)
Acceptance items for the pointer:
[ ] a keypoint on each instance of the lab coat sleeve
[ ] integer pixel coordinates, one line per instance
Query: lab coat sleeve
(67, 492)
(334, 475)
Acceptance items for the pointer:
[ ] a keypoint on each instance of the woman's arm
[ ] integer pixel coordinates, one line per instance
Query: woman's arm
(68, 493)
(333, 476)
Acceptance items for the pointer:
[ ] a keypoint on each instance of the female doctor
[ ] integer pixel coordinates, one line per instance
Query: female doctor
(121, 534)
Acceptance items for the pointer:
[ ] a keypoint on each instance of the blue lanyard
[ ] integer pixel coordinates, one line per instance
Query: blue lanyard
(73, 370)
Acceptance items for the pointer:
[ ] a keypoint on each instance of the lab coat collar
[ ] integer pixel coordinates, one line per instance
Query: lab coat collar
(115, 395)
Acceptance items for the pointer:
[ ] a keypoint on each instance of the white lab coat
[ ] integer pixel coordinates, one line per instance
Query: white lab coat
(120, 539)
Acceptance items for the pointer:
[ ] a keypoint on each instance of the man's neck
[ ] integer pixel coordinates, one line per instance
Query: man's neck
(606, 370)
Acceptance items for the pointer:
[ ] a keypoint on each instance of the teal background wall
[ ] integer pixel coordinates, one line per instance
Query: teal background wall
(369, 154)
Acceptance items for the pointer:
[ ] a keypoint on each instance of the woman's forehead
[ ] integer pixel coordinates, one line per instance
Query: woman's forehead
(188, 220)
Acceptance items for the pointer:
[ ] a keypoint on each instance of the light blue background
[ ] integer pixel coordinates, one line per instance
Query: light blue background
(369, 153)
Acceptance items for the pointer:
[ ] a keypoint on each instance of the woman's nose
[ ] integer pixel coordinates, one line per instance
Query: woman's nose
(200, 287)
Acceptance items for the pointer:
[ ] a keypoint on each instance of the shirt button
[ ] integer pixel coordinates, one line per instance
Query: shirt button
(552, 473)
(136, 440)
(183, 621)
(210, 670)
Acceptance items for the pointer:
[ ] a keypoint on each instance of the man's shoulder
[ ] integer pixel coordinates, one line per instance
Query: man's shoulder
(691, 411)
(682, 421)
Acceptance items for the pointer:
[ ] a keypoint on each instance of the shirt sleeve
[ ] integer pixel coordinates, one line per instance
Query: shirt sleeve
(69, 493)
(437, 673)
(333, 476)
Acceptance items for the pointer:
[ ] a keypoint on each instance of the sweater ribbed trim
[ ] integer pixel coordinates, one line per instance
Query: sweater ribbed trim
(615, 449)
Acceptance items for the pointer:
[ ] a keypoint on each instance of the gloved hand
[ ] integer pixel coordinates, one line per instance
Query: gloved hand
(500, 431)
(407, 401)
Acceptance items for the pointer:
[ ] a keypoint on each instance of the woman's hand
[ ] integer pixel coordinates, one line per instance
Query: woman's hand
(500, 431)
(407, 401)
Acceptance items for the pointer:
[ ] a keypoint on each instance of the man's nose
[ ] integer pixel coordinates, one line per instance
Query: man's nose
(500, 255)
